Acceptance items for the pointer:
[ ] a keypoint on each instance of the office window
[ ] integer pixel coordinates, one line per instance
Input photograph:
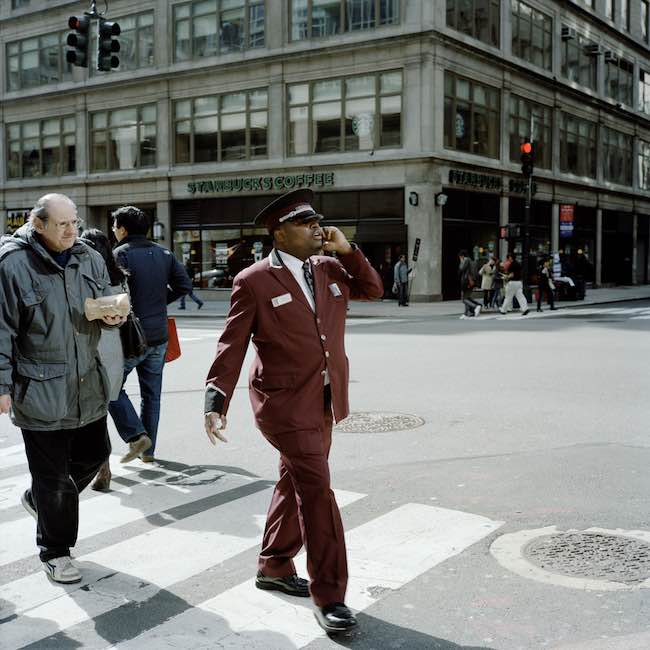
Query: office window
(625, 14)
(644, 165)
(221, 127)
(41, 148)
(610, 9)
(645, 13)
(618, 78)
(471, 116)
(644, 91)
(578, 146)
(617, 157)
(322, 18)
(479, 19)
(136, 43)
(351, 114)
(521, 111)
(19, 4)
(204, 28)
(532, 35)
(124, 138)
(580, 61)
(37, 61)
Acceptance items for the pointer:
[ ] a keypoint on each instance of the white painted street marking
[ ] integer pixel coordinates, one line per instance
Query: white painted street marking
(137, 568)
(383, 555)
(12, 456)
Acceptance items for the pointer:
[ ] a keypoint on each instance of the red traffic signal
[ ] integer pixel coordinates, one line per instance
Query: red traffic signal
(527, 158)
(78, 41)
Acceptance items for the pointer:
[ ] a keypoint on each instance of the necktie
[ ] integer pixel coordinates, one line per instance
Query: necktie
(309, 278)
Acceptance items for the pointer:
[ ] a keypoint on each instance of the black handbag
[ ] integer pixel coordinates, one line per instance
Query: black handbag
(134, 341)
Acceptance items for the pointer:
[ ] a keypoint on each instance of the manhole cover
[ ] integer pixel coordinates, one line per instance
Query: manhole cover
(378, 422)
(592, 555)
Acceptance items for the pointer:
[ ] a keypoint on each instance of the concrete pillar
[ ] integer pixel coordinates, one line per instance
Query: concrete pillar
(163, 56)
(275, 131)
(635, 253)
(599, 246)
(504, 219)
(412, 109)
(277, 24)
(163, 214)
(555, 227)
(163, 133)
(424, 222)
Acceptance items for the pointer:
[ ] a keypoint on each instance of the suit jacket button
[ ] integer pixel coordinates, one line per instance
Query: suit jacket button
(327, 353)
(323, 337)
(323, 372)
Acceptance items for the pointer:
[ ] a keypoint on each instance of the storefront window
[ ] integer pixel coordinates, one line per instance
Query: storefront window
(351, 114)
(532, 35)
(221, 127)
(37, 61)
(322, 18)
(206, 28)
(41, 148)
(617, 157)
(577, 146)
(644, 165)
(123, 138)
(476, 18)
(580, 61)
(471, 116)
(521, 111)
(136, 43)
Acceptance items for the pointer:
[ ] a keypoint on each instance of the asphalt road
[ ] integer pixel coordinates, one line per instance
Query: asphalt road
(523, 428)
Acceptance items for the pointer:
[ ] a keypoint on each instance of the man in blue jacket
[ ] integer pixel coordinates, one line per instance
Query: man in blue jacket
(156, 278)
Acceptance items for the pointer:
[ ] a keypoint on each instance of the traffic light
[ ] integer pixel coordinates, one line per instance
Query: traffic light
(527, 158)
(78, 41)
(107, 45)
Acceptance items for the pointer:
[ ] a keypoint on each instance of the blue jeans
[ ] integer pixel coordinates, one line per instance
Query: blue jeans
(149, 367)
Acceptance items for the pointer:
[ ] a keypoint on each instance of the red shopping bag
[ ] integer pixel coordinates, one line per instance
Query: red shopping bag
(173, 344)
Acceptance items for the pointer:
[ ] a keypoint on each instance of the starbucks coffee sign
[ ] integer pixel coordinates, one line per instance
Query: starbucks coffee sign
(261, 183)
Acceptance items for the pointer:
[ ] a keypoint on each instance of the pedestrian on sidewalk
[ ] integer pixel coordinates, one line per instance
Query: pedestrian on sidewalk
(488, 273)
(467, 284)
(514, 286)
(110, 343)
(51, 380)
(190, 272)
(155, 278)
(293, 305)
(497, 287)
(545, 285)
(401, 279)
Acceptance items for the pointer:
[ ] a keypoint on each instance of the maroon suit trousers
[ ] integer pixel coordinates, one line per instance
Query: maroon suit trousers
(303, 511)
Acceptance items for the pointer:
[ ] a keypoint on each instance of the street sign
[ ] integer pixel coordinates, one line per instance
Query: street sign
(566, 220)
(416, 249)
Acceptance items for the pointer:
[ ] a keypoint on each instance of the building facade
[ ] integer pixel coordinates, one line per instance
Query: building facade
(405, 117)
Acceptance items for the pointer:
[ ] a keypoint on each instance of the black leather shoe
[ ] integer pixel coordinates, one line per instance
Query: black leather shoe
(290, 585)
(335, 617)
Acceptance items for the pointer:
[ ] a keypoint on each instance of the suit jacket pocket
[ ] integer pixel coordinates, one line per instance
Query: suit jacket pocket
(42, 388)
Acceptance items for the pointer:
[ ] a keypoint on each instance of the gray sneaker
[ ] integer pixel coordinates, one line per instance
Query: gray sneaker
(136, 448)
(61, 569)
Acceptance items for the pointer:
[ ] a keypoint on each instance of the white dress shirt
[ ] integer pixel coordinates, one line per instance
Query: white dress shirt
(295, 267)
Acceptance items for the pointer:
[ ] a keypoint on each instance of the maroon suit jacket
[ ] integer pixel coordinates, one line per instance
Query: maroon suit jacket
(294, 345)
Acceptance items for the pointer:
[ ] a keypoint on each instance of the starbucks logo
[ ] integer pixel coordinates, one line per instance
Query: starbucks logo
(362, 124)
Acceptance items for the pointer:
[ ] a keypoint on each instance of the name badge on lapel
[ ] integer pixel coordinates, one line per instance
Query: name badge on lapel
(281, 300)
(334, 288)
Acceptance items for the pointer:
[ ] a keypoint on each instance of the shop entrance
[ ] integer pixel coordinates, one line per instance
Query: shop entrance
(470, 221)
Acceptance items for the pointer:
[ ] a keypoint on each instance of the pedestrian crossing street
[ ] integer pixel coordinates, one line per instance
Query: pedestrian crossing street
(149, 551)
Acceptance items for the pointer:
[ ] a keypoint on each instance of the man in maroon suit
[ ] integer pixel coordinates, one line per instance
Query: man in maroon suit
(294, 306)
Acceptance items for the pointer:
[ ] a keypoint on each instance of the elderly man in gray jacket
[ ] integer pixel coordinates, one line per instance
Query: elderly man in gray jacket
(51, 379)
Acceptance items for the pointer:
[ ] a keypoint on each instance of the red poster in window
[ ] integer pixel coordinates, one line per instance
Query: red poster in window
(566, 220)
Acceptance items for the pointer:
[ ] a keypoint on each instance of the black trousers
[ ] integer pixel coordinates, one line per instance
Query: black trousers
(402, 293)
(62, 463)
(545, 289)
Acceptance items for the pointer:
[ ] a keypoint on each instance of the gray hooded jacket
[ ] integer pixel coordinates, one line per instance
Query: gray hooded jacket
(48, 349)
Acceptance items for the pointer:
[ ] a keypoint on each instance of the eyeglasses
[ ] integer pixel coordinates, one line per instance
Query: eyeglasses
(62, 226)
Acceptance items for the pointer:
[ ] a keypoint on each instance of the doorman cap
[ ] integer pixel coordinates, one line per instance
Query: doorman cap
(292, 205)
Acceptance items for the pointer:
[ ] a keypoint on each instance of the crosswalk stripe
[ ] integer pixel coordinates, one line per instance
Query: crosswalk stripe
(383, 555)
(12, 456)
(103, 512)
(137, 568)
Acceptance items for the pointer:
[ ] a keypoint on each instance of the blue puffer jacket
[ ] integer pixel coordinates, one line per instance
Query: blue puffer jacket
(156, 278)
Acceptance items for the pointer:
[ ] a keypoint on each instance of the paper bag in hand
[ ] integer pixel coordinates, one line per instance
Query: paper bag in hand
(117, 305)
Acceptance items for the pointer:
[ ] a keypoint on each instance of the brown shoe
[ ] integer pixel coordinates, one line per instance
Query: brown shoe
(147, 458)
(102, 482)
(136, 448)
